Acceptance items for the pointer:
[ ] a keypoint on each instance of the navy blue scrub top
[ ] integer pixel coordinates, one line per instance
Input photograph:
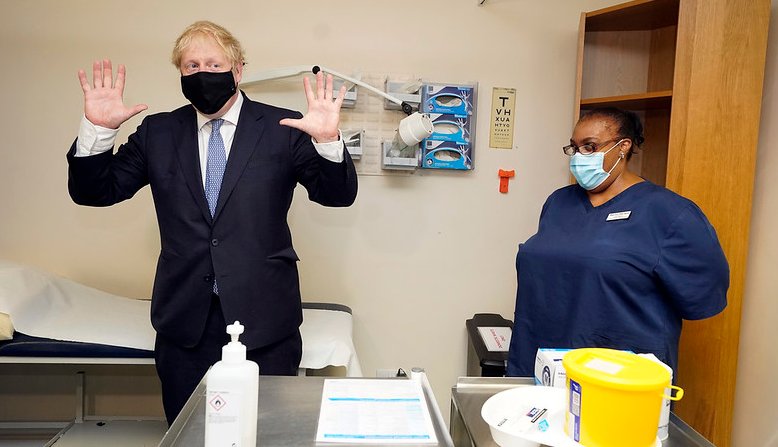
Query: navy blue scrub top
(621, 275)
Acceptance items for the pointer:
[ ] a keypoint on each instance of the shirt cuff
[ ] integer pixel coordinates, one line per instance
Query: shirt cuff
(332, 151)
(93, 140)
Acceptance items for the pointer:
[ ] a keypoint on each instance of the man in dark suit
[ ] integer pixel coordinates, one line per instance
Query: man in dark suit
(222, 173)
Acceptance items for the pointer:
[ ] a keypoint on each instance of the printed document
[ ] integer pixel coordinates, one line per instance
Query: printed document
(377, 411)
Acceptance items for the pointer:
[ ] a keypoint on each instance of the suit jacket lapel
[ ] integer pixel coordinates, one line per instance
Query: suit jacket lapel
(189, 159)
(247, 134)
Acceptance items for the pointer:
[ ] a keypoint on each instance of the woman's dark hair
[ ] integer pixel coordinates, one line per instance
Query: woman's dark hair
(628, 123)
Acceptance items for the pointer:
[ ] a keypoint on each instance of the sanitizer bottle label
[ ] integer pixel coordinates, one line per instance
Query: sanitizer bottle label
(222, 410)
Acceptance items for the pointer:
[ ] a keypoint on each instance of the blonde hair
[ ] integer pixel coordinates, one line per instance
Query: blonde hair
(228, 43)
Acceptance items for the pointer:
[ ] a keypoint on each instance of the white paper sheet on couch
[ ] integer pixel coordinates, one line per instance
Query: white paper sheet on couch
(327, 340)
(43, 305)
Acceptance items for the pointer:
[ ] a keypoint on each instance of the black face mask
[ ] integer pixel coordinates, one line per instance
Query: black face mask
(207, 91)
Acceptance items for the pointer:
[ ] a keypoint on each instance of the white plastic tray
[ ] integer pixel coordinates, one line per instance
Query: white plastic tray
(505, 413)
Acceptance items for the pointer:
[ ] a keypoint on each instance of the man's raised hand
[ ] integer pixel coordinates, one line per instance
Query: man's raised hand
(321, 121)
(103, 99)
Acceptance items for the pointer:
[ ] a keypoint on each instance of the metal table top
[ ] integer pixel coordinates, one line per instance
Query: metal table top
(288, 415)
(470, 393)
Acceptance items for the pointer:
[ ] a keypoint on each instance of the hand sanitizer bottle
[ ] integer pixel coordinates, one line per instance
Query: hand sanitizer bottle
(232, 390)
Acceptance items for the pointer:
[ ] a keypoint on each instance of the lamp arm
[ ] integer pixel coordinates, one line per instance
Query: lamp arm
(405, 106)
(256, 78)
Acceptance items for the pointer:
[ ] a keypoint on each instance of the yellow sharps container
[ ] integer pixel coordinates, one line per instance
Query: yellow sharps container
(614, 397)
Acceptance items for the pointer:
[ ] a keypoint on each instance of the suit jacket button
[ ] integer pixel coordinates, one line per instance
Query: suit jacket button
(214, 242)
(207, 278)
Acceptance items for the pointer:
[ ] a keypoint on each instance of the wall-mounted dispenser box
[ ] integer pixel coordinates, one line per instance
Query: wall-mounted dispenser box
(406, 91)
(354, 139)
(350, 100)
(450, 128)
(457, 100)
(446, 155)
(404, 159)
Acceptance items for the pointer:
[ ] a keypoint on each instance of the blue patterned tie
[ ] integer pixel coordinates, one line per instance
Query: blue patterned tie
(214, 170)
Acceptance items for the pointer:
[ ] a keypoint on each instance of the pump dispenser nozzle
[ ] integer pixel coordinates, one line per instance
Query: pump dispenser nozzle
(235, 330)
(234, 351)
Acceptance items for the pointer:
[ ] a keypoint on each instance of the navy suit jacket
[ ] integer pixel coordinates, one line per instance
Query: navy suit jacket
(247, 245)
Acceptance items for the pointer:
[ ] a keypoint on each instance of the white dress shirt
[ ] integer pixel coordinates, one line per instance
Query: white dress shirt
(93, 140)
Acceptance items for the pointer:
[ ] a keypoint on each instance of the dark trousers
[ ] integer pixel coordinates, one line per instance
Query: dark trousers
(180, 369)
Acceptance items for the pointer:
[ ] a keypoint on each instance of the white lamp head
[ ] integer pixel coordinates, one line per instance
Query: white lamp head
(414, 128)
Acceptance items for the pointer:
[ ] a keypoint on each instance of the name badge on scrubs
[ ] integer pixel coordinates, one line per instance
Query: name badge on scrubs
(621, 215)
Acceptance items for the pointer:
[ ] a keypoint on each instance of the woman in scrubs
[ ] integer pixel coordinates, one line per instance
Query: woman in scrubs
(617, 262)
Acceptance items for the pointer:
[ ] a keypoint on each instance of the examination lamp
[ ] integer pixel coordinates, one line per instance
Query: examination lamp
(412, 129)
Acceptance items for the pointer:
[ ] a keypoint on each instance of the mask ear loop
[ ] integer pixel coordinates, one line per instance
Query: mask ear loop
(621, 157)
(615, 164)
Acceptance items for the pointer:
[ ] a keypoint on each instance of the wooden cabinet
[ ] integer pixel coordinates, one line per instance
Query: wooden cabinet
(693, 70)
(627, 60)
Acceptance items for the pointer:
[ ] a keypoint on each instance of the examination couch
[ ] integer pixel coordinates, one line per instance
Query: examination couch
(47, 320)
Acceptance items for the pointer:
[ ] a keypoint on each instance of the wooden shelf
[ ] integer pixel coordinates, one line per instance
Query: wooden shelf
(635, 15)
(639, 101)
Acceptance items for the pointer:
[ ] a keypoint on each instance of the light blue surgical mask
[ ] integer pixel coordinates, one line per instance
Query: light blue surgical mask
(588, 169)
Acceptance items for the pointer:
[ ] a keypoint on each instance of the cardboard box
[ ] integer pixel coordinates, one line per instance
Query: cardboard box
(548, 367)
(450, 128)
(457, 100)
(446, 155)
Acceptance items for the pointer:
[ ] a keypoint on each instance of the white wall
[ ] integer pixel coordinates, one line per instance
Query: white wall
(757, 389)
(414, 257)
